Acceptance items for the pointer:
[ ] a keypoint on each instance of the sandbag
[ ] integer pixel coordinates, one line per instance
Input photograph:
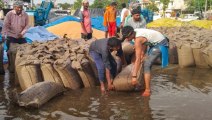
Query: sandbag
(1, 58)
(86, 74)
(185, 55)
(50, 74)
(93, 68)
(207, 54)
(69, 76)
(173, 55)
(198, 55)
(128, 50)
(38, 94)
(122, 81)
(28, 75)
(12, 55)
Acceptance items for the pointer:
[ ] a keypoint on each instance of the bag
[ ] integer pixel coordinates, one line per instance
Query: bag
(38, 94)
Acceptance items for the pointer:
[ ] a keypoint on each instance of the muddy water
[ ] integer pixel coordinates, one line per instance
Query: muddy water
(177, 94)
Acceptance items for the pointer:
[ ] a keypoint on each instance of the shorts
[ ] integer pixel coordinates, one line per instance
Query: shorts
(14, 40)
(86, 37)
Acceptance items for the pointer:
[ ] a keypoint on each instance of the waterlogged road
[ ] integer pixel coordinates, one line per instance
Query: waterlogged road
(177, 94)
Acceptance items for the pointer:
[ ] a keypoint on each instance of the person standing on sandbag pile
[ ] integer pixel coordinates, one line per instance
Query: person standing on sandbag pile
(16, 23)
(158, 47)
(85, 19)
(100, 51)
(110, 19)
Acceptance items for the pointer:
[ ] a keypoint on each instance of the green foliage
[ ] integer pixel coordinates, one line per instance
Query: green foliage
(1, 4)
(153, 7)
(77, 4)
(104, 3)
(165, 5)
(198, 5)
(65, 6)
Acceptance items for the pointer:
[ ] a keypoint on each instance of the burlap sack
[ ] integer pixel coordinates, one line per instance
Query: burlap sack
(50, 74)
(207, 54)
(1, 58)
(128, 50)
(122, 81)
(185, 55)
(12, 55)
(28, 75)
(38, 94)
(87, 74)
(69, 76)
(198, 55)
(173, 55)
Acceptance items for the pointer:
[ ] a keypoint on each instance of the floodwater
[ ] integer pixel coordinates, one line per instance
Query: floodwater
(177, 94)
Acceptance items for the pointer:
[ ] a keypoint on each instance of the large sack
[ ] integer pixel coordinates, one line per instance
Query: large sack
(38, 94)
(86, 74)
(12, 55)
(122, 81)
(207, 54)
(128, 50)
(28, 75)
(50, 74)
(1, 58)
(198, 55)
(94, 68)
(69, 76)
(173, 55)
(185, 55)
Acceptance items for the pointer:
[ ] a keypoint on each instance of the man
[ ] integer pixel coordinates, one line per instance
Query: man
(15, 25)
(100, 51)
(136, 21)
(124, 13)
(158, 48)
(110, 19)
(85, 19)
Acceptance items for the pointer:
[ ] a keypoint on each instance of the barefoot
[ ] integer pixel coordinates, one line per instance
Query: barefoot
(146, 93)
(102, 88)
(134, 82)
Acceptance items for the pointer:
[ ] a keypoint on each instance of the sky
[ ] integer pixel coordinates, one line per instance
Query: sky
(60, 1)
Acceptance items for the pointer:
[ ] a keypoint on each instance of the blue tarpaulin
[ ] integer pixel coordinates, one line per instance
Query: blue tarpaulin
(39, 34)
(61, 20)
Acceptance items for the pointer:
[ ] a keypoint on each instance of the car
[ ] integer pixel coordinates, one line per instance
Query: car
(156, 16)
(189, 17)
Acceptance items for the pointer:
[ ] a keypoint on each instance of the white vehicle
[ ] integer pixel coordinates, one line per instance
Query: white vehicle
(189, 17)
(156, 16)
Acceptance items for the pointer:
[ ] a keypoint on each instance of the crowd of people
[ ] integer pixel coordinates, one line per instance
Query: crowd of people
(148, 44)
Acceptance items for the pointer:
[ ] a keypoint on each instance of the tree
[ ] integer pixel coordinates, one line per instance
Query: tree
(1, 4)
(65, 6)
(165, 5)
(198, 5)
(77, 4)
(153, 7)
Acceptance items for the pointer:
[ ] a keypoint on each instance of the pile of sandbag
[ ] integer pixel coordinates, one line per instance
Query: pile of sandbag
(63, 61)
(190, 46)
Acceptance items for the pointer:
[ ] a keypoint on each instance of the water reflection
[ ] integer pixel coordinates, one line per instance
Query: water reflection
(176, 94)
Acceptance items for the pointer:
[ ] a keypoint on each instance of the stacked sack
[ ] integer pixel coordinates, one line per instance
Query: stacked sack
(189, 46)
(63, 61)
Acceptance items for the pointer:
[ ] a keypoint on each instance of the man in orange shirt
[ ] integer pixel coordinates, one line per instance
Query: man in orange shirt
(110, 19)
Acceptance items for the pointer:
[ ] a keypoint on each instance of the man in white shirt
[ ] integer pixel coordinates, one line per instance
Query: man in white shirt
(158, 45)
